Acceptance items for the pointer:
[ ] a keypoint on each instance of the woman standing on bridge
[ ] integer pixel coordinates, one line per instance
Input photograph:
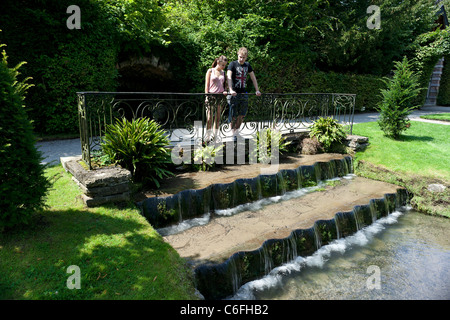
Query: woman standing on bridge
(214, 83)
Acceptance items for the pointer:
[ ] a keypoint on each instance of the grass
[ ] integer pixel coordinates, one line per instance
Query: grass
(119, 254)
(438, 116)
(417, 159)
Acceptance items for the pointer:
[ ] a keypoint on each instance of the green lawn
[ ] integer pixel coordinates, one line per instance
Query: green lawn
(418, 158)
(119, 254)
(438, 116)
(423, 149)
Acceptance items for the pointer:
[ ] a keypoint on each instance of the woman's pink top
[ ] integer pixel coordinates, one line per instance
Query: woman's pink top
(216, 83)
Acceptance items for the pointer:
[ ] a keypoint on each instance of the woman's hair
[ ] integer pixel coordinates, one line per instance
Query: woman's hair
(219, 59)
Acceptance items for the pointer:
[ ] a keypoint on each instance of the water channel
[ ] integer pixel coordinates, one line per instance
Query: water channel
(403, 256)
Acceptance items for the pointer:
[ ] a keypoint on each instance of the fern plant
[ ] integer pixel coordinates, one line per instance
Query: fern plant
(264, 148)
(139, 146)
(328, 131)
(398, 99)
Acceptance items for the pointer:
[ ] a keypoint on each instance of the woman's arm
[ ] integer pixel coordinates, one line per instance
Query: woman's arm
(207, 77)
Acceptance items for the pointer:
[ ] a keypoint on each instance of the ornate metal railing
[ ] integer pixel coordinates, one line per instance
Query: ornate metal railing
(187, 117)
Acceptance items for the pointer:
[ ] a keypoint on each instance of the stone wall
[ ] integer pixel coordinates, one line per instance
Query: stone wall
(99, 186)
(356, 143)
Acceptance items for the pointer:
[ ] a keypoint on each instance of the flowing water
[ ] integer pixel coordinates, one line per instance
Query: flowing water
(403, 256)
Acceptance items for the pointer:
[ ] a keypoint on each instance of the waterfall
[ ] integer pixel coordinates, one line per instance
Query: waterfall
(373, 211)
(281, 183)
(318, 172)
(258, 187)
(266, 259)
(337, 219)
(299, 178)
(358, 218)
(332, 169)
(192, 203)
(317, 238)
(291, 250)
(180, 209)
(235, 275)
(300, 246)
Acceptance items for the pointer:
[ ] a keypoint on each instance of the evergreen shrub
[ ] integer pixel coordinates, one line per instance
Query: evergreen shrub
(23, 185)
(398, 99)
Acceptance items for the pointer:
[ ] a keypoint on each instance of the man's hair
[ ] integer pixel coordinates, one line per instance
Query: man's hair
(243, 51)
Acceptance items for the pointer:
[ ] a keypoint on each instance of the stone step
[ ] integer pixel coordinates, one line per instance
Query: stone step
(231, 251)
(246, 231)
(99, 186)
(433, 89)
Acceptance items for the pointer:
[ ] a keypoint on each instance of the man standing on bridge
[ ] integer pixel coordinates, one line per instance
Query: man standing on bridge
(237, 74)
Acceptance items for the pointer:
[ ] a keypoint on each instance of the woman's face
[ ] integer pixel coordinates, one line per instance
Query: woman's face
(221, 65)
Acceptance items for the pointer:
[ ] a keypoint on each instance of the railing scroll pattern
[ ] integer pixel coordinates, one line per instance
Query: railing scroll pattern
(180, 113)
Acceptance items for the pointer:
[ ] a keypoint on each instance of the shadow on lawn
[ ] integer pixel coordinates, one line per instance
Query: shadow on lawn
(118, 258)
(407, 138)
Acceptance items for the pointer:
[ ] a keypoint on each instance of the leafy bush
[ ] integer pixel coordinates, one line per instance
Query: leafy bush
(23, 185)
(139, 146)
(264, 148)
(329, 132)
(203, 156)
(362, 85)
(427, 49)
(61, 61)
(289, 44)
(398, 99)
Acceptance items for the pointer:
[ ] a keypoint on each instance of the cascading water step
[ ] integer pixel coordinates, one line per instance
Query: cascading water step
(231, 250)
(237, 230)
(222, 236)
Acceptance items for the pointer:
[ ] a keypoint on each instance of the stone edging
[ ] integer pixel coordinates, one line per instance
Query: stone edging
(99, 186)
(187, 204)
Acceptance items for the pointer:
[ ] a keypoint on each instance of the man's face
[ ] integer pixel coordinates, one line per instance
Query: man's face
(242, 58)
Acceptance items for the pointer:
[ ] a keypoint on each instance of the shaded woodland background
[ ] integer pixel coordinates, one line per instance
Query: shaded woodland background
(140, 45)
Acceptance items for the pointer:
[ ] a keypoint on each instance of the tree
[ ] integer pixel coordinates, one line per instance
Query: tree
(22, 181)
(398, 99)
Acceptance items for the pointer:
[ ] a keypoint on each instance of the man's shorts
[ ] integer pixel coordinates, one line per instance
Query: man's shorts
(238, 105)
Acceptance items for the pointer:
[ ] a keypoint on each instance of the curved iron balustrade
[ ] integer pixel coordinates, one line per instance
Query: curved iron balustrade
(190, 117)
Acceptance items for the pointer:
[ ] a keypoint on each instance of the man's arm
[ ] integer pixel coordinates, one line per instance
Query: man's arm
(230, 82)
(255, 83)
